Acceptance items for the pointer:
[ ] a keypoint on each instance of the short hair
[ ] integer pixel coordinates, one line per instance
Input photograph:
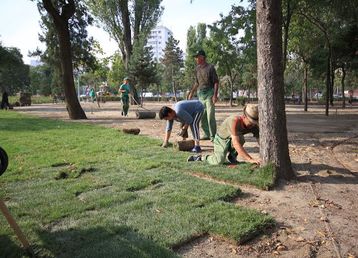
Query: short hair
(164, 111)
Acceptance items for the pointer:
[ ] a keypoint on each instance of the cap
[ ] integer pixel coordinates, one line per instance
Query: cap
(200, 53)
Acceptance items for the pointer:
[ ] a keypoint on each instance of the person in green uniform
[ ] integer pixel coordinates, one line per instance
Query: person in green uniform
(207, 86)
(229, 139)
(125, 89)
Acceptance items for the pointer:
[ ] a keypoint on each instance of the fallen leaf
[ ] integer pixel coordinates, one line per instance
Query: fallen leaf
(324, 219)
(300, 239)
(281, 248)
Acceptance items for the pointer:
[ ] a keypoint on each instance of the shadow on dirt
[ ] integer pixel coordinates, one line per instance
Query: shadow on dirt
(326, 174)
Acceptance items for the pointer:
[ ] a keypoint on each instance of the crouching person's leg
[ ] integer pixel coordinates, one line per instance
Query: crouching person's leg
(232, 157)
(221, 147)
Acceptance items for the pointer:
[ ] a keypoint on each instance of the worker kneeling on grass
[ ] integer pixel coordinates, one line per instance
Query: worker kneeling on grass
(230, 138)
(187, 112)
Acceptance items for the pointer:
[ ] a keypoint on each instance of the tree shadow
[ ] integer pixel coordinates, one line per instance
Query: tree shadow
(322, 173)
(10, 249)
(118, 241)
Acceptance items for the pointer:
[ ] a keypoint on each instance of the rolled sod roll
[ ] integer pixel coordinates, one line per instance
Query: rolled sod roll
(145, 114)
(134, 131)
(185, 145)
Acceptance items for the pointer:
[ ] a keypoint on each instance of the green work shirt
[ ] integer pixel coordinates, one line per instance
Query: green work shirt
(205, 76)
(127, 89)
(234, 121)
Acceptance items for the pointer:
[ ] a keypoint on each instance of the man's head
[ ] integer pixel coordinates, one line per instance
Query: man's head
(200, 56)
(251, 112)
(125, 79)
(166, 113)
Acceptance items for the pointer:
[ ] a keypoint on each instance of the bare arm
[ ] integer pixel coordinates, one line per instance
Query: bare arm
(166, 139)
(193, 90)
(241, 151)
(216, 90)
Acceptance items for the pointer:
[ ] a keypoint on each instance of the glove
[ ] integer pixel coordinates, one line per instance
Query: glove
(183, 133)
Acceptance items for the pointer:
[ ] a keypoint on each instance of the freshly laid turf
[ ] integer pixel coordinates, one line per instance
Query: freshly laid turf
(81, 190)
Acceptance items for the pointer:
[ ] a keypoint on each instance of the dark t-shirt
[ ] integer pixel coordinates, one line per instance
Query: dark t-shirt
(205, 76)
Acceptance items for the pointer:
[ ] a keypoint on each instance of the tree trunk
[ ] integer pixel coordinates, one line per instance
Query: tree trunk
(73, 106)
(305, 91)
(331, 85)
(342, 82)
(328, 80)
(231, 90)
(273, 132)
(286, 29)
(127, 33)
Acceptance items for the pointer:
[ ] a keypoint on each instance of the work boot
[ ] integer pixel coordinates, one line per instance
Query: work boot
(196, 149)
(232, 159)
(194, 158)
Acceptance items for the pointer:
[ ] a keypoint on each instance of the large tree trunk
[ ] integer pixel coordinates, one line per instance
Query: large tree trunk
(273, 132)
(286, 29)
(74, 108)
(127, 33)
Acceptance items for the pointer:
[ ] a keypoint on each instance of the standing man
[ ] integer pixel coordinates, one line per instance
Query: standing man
(124, 89)
(230, 138)
(207, 86)
(187, 112)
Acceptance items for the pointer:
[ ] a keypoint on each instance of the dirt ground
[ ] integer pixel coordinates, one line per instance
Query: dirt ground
(317, 214)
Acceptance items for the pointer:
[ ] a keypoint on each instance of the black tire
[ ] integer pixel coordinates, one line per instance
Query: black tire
(4, 161)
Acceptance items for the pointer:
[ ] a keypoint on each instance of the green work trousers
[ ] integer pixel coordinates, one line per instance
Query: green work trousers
(125, 103)
(208, 121)
(221, 148)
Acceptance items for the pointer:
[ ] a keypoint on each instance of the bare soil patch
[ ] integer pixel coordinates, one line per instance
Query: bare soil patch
(317, 214)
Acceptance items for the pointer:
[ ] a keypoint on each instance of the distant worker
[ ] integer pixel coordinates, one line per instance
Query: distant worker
(92, 94)
(125, 89)
(230, 138)
(5, 101)
(350, 97)
(207, 86)
(188, 113)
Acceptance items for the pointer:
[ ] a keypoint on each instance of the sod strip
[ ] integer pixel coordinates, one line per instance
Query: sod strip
(81, 190)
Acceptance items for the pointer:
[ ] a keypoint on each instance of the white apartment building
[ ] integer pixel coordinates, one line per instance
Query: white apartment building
(157, 40)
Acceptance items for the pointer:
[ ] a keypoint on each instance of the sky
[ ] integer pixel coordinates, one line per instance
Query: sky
(19, 22)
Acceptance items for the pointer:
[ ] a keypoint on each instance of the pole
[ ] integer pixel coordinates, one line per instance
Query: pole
(15, 227)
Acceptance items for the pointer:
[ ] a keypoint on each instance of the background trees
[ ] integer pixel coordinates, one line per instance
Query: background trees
(126, 21)
(14, 74)
(172, 62)
(69, 21)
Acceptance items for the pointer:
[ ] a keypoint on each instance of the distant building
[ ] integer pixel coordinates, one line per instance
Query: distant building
(157, 40)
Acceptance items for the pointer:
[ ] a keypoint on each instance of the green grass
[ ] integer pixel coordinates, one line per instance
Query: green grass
(81, 190)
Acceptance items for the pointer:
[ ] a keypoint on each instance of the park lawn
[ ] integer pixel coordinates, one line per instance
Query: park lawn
(80, 190)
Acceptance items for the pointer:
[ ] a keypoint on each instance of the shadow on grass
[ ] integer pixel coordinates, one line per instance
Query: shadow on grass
(120, 241)
(10, 249)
